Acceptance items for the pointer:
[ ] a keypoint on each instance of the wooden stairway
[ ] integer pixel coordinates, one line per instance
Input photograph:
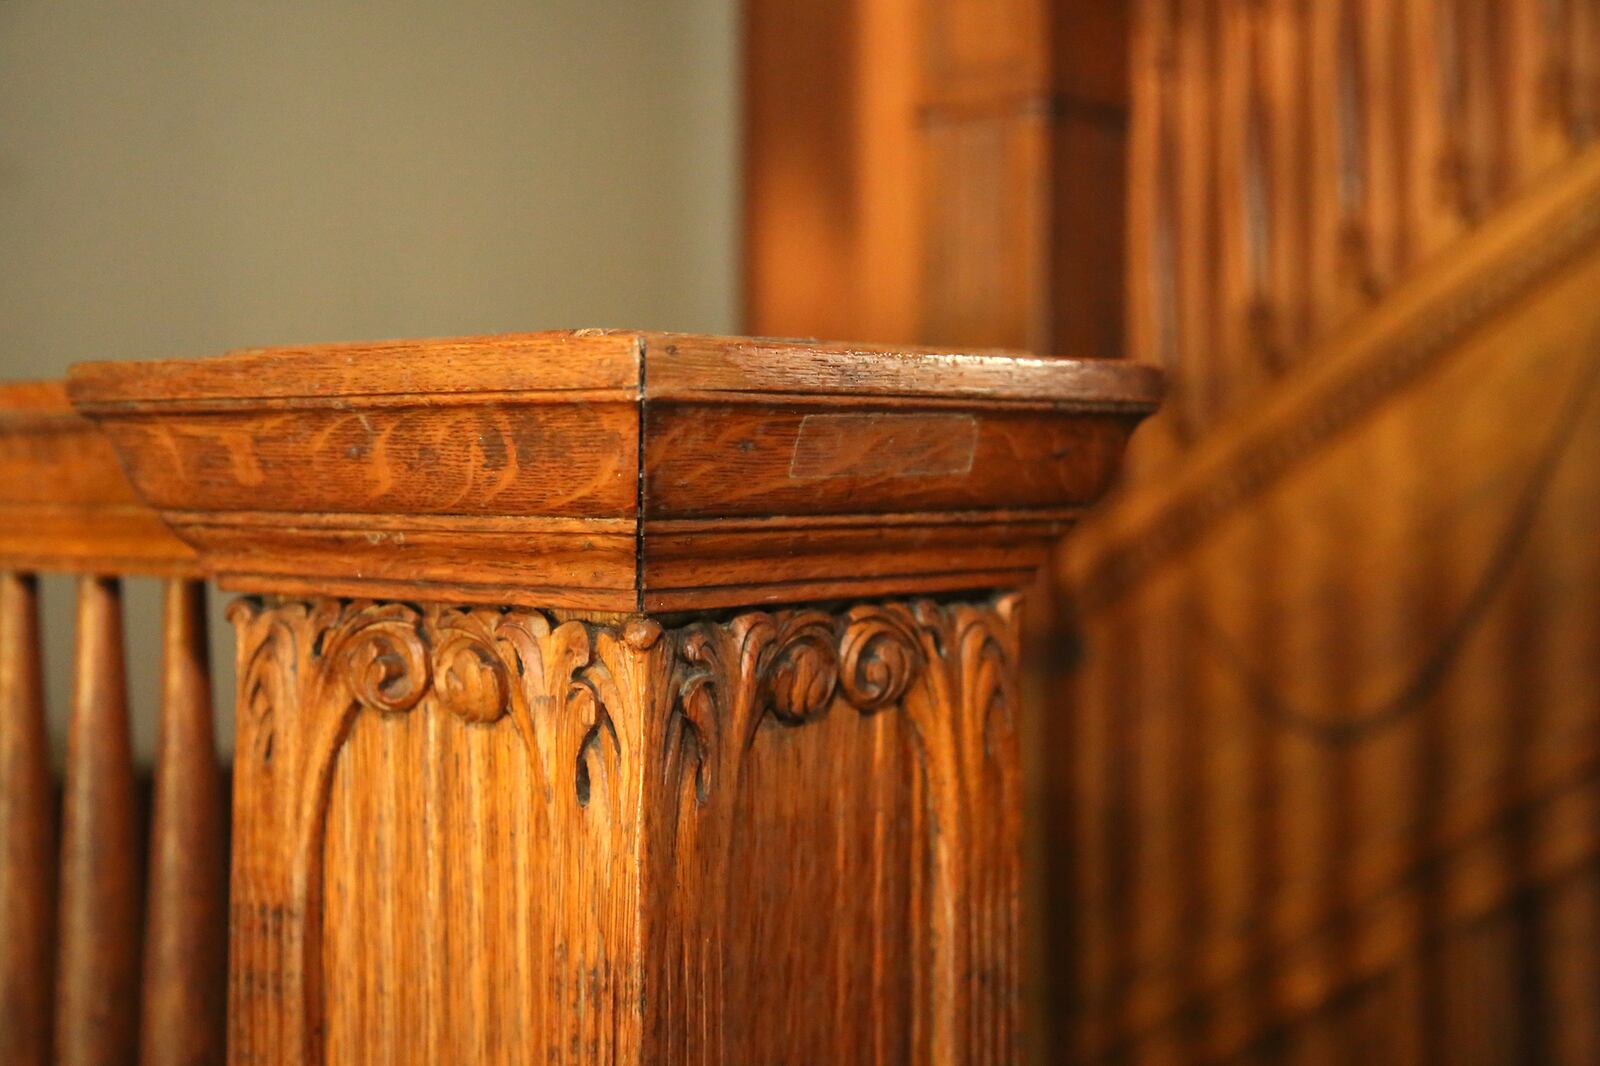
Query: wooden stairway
(1349, 800)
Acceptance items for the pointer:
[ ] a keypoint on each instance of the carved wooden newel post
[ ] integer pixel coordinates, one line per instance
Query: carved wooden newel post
(620, 697)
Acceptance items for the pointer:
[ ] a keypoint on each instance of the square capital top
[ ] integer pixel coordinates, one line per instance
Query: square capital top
(616, 470)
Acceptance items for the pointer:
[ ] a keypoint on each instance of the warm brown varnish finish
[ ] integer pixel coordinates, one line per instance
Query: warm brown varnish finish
(941, 172)
(186, 928)
(65, 504)
(121, 983)
(97, 987)
(1317, 770)
(1356, 766)
(623, 697)
(28, 818)
(618, 471)
(499, 837)
(1331, 729)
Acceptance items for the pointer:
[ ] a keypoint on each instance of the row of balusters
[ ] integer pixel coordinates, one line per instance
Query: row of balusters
(107, 958)
(1290, 161)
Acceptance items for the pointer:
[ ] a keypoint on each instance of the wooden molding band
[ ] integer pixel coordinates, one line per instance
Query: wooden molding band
(617, 471)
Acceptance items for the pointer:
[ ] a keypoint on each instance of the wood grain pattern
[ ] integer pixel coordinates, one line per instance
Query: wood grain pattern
(28, 815)
(311, 469)
(416, 783)
(1291, 554)
(182, 993)
(527, 829)
(97, 997)
(65, 503)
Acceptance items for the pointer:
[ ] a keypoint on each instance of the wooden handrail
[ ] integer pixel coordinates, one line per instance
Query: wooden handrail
(530, 628)
(65, 504)
(1344, 379)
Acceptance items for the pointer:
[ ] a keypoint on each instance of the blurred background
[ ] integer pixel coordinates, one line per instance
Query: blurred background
(187, 178)
(1315, 696)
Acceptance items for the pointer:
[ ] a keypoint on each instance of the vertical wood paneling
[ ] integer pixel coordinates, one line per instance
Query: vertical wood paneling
(186, 927)
(1090, 750)
(1238, 178)
(1290, 162)
(1580, 89)
(1375, 30)
(1367, 881)
(948, 172)
(1185, 765)
(1426, 134)
(28, 830)
(1285, 301)
(1194, 209)
(1571, 932)
(97, 1001)
(1261, 781)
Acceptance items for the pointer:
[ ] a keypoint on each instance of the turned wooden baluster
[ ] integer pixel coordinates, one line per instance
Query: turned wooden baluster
(27, 827)
(97, 1004)
(186, 935)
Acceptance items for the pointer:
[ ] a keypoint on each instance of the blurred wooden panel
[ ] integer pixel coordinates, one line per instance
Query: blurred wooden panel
(1290, 163)
(947, 170)
(831, 203)
(1362, 741)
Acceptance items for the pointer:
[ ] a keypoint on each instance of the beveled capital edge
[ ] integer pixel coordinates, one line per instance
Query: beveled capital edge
(618, 471)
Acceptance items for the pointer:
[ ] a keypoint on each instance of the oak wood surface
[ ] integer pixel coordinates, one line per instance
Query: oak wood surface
(1345, 810)
(617, 485)
(65, 503)
(1304, 182)
(1427, 778)
(28, 821)
(946, 172)
(478, 835)
(97, 997)
(185, 948)
(607, 817)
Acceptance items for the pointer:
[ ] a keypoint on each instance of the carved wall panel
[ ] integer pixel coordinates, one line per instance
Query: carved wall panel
(607, 839)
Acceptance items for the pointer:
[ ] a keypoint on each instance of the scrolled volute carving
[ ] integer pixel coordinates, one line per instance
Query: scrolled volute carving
(469, 678)
(878, 657)
(801, 672)
(377, 650)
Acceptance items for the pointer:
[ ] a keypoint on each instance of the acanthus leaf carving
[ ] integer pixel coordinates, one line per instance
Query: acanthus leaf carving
(879, 656)
(377, 650)
(635, 732)
(469, 677)
(801, 670)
